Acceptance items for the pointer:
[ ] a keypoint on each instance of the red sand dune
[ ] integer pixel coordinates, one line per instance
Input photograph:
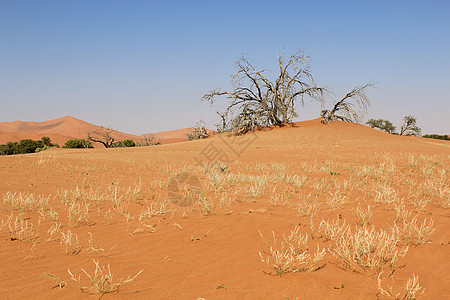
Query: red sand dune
(62, 129)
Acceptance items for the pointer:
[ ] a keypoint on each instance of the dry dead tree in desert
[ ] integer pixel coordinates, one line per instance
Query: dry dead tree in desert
(106, 139)
(345, 110)
(257, 101)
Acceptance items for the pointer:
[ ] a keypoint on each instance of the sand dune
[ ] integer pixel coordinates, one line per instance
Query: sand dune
(62, 129)
(247, 186)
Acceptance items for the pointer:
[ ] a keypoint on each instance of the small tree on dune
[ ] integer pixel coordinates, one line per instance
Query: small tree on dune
(258, 101)
(351, 108)
(199, 131)
(409, 127)
(381, 124)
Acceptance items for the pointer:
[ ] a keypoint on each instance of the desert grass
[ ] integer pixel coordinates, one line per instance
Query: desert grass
(336, 200)
(58, 281)
(402, 213)
(22, 230)
(70, 243)
(412, 290)
(362, 216)
(307, 208)
(206, 204)
(412, 233)
(384, 193)
(291, 254)
(92, 248)
(53, 230)
(333, 230)
(24, 201)
(367, 249)
(78, 213)
(101, 281)
(419, 203)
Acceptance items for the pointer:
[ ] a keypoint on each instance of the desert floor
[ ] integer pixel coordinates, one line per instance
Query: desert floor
(302, 212)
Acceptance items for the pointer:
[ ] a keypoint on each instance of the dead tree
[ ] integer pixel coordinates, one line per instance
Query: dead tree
(257, 101)
(346, 110)
(106, 138)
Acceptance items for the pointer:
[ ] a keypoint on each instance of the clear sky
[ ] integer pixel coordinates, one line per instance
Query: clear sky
(142, 66)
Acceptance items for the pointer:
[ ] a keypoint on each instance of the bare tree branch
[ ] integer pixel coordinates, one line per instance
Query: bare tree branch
(349, 111)
(106, 139)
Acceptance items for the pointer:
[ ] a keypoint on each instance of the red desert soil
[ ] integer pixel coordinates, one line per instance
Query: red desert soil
(63, 129)
(116, 202)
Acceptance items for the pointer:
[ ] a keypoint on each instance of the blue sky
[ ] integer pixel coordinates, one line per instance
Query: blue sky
(142, 66)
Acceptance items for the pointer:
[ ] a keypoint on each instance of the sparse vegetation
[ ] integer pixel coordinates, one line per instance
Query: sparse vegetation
(437, 136)
(291, 254)
(101, 281)
(78, 144)
(199, 132)
(124, 143)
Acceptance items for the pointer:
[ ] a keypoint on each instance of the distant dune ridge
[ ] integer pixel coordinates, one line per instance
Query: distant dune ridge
(66, 128)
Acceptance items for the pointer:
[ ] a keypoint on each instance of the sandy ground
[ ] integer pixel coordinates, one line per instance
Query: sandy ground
(120, 206)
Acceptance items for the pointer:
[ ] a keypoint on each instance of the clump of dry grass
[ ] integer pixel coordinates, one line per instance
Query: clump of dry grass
(384, 193)
(412, 233)
(102, 280)
(291, 254)
(362, 217)
(20, 229)
(307, 208)
(401, 212)
(53, 230)
(24, 201)
(333, 230)
(419, 203)
(367, 249)
(336, 200)
(78, 213)
(412, 290)
(70, 243)
(92, 248)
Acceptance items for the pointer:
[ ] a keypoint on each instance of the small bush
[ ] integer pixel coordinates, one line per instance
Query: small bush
(199, 132)
(26, 146)
(124, 143)
(77, 143)
(437, 136)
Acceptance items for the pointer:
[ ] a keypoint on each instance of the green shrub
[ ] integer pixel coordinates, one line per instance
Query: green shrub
(383, 125)
(29, 146)
(437, 136)
(125, 143)
(26, 146)
(77, 143)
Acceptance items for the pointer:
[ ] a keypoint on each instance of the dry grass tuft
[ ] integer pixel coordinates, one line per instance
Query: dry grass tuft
(70, 243)
(367, 249)
(20, 229)
(24, 201)
(102, 280)
(412, 233)
(412, 290)
(291, 254)
(334, 230)
(362, 217)
(336, 200)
